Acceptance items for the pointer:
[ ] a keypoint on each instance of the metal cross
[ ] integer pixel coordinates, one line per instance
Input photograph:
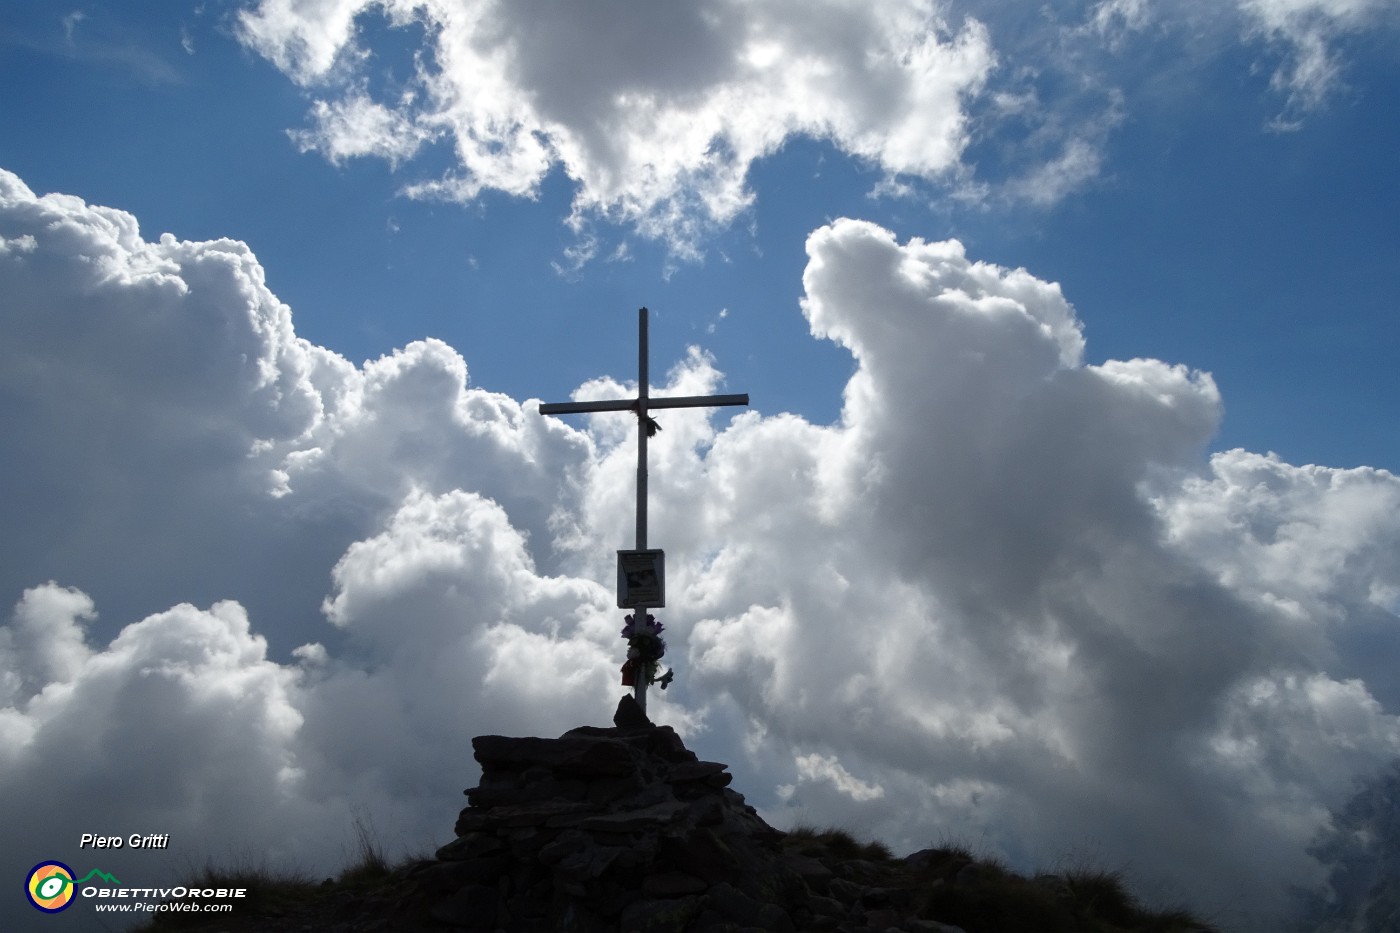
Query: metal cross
(642, 404)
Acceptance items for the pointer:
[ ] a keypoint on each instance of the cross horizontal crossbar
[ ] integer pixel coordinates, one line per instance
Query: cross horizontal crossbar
(630, 404)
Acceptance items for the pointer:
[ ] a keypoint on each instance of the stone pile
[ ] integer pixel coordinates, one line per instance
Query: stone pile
(623, 829)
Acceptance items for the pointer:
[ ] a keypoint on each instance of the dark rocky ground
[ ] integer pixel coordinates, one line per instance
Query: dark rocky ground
(612, 830)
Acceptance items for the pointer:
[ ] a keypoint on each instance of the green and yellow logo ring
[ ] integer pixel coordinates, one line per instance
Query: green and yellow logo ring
(49, 886)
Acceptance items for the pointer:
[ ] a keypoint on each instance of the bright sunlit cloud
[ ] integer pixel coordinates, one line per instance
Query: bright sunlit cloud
(1003, 569)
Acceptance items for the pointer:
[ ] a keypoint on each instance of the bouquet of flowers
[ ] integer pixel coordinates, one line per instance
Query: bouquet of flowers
(645, 647)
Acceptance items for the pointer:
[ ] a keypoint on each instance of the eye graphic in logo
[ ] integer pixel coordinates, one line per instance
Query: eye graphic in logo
(50, 886)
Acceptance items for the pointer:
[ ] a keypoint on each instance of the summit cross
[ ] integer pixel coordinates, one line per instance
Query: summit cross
(646, 427)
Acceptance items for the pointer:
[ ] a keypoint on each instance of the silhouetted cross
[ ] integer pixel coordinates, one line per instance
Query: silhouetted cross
(646, 427)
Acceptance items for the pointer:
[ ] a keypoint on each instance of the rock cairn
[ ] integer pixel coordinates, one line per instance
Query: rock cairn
(611, 829)
(625, 830)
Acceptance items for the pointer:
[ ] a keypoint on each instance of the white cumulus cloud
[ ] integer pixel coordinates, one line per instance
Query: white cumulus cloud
(1006, 597)
(656, 112)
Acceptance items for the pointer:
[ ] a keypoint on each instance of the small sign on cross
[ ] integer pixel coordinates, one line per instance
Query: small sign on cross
(641, 579)
(638, 596)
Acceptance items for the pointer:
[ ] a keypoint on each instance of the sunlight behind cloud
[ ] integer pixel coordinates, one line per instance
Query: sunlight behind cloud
(655, 112)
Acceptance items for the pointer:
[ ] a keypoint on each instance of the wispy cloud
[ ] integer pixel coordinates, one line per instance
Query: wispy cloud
(102, 39)
(1309, 31)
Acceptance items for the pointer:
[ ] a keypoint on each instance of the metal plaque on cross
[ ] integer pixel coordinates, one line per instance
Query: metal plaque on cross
(641, 579)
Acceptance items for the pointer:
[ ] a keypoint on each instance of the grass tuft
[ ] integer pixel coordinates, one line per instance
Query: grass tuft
(269, 893)
(274, 894)
(833, 842)
(1101, 894)
(984, 896)
(368, 863)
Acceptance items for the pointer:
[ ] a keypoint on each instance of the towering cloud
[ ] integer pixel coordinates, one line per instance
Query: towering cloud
(1007, 597)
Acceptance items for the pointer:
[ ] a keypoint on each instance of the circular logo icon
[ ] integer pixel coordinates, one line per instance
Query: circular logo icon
(49, 886)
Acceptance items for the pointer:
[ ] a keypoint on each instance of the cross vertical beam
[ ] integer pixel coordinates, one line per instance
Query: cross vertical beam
(642, 405)
(643, 423)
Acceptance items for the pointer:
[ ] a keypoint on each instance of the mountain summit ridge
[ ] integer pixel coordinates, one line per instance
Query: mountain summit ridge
(623, 829)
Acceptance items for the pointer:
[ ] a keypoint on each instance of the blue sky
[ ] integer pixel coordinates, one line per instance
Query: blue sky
(1205, 238)
(1069, 335)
